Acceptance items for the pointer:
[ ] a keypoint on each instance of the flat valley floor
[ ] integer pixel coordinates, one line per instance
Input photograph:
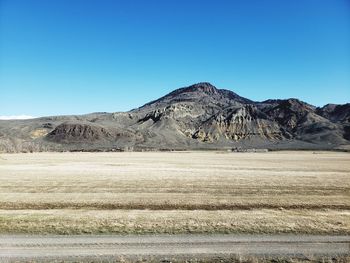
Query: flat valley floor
(203, 193)
(175, 192)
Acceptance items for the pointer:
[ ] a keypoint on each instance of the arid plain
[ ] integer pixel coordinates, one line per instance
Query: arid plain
(175, 192)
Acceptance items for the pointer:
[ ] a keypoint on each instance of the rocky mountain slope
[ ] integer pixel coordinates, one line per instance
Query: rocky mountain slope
(195, 117)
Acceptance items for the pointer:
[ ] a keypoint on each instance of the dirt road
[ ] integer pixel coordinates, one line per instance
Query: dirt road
(90, 248)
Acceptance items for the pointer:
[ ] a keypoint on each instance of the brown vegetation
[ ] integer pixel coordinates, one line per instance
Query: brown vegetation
(175, 192)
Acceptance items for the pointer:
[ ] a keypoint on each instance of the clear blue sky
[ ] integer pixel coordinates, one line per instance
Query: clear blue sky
(81, 56)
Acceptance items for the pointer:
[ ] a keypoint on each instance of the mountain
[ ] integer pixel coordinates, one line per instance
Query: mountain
(195, 117)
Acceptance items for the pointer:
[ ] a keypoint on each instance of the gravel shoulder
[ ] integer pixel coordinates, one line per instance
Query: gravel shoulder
(156, 247)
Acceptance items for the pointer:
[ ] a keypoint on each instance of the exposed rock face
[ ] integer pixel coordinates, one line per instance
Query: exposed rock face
(240, 123)
(289, 113)
(336, 112)
(339, 115)
(195, 117)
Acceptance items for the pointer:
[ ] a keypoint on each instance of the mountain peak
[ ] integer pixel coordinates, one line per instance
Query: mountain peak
(199, 116)
(202, 91)
(203, 87)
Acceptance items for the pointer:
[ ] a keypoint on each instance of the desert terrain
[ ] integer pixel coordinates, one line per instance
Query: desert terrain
(197, 117)
(175, 192)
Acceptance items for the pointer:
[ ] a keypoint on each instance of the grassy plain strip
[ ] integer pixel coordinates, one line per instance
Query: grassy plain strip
(66, 221)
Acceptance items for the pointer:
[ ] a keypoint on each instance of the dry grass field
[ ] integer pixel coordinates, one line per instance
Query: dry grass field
(175, 192)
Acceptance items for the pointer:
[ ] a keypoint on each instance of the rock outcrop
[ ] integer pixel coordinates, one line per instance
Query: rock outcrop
(78, 132)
